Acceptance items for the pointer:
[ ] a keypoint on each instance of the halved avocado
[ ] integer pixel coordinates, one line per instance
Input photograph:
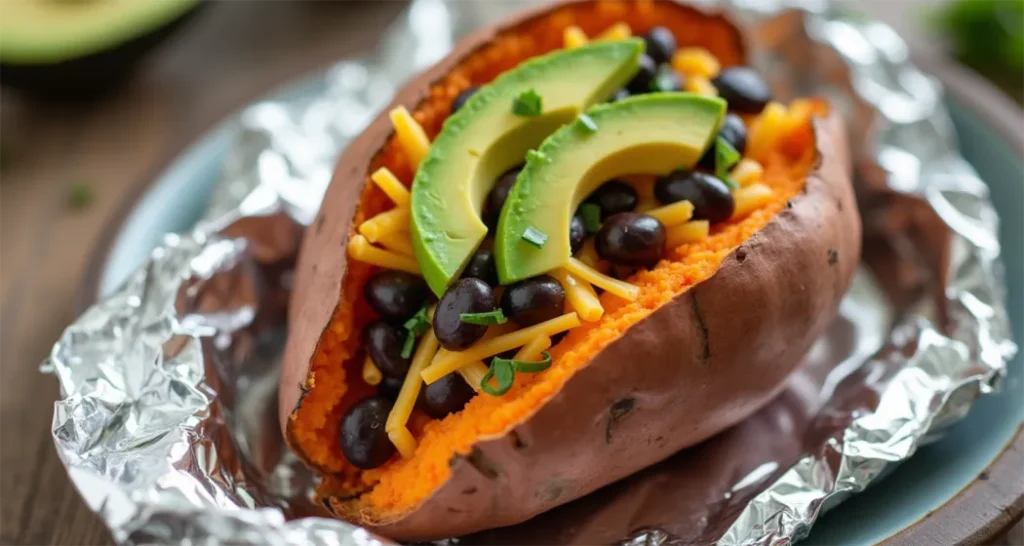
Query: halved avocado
(650, 134)
(71, 48)
(485, 138)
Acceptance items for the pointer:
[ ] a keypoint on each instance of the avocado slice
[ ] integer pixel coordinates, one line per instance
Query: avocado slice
(68, 49)
(651, 134)
(485, 138)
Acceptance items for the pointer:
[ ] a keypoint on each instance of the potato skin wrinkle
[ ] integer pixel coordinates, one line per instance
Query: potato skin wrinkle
(719, 324)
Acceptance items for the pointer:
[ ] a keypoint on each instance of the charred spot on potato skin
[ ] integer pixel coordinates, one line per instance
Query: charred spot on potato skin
(518, 442)
(789, 204)
(453, 510)
(469, 491)
(618, 410)
(483, 464)
(699, 315)
(741, 254)
(833, 256)
(553, 490)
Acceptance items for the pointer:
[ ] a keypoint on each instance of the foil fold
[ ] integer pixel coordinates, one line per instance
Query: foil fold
(167, 417)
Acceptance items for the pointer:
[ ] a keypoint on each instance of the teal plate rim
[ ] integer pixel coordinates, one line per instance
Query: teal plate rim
(981, 511)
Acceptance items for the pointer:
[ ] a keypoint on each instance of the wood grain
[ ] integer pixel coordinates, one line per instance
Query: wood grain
(231, 53)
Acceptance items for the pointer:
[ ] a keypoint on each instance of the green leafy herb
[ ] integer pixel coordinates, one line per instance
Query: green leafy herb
(410, 343)
(528, 103)
(535, 236)
(665, 80)
(415, 327)
(504, 370)
(588, 123)
(725, 157)
(490, 318)
(591, 217)
(418, 324)
(80, 195)
(987, 35)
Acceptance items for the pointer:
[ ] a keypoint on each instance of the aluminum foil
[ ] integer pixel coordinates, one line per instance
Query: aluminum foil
(167, 417)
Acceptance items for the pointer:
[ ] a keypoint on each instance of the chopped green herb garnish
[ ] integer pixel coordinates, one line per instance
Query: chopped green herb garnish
(410, 343)
(80, 195)
(535, 237)
(591, 217)
(528, 103)
(415, 327)
(725, 157)
(533, 156)
(490, 318)
(418, 324)
(504, 370)
(665, 80)
(588, 123)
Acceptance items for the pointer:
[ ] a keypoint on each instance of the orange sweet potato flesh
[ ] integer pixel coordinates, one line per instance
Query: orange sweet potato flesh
(719, 325)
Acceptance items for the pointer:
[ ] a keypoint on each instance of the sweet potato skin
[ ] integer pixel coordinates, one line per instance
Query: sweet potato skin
(695, 366)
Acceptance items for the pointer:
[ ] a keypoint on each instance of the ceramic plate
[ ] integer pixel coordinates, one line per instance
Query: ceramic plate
(966, 487)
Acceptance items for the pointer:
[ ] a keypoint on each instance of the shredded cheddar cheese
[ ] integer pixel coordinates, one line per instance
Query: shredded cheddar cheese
(371, 373)
(573, 37)
(411, 135)
(618, 31)
(696, 61)
(400, 412)
(397, 241)
(532, 350)
(391, 186)
(361, 249)
(611, 285)
(676, 213)
(690, 232)
(769, 128)
(582, 297)
(701, 86)
(384, 223)
(446, 362)
(473, 373)
(747, 172)
(751, 198)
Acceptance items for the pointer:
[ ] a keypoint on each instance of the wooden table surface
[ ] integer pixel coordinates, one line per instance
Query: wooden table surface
(231, 53)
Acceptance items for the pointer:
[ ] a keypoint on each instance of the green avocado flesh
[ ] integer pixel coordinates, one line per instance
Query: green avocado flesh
(649, 134)
(37, 32)
(485, 138)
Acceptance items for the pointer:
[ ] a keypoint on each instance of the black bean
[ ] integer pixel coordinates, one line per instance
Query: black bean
(613, 197)
(389, 387)
(710, 197)
(446, 395)
(364, 441)
(533, 301)
(743, 88)
(481, 266)
(577, 233)
(641, 83)
(661, 44)
(496, 197)
(384, 341)
(631, 238)
(462, 97)
(620, 95)
(395, 295)
(733, 131)
(464, 296)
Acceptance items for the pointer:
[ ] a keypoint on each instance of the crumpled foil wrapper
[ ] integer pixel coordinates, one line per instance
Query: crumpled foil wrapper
(167, 422)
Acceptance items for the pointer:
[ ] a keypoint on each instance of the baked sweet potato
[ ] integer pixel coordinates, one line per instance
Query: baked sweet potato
(708, 336)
